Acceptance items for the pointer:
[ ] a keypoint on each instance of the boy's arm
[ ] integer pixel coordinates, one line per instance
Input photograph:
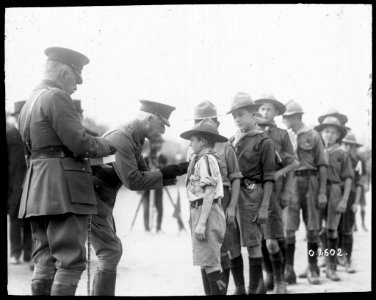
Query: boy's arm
(322, 188)
(230, 211)
(205, 210)
(262, 214)
(341, 208)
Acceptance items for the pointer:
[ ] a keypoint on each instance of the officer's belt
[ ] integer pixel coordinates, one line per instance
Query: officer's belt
(246, 181)
(307, 172)
(51, 152)
(198, 202)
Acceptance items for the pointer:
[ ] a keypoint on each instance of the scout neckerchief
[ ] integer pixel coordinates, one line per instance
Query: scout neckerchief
(239, 135)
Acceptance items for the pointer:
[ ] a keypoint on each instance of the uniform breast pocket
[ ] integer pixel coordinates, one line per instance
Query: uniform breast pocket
(306, 144)
(79, 181)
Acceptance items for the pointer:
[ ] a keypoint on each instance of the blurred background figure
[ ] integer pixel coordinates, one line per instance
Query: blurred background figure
(155, 160)
(19, 229)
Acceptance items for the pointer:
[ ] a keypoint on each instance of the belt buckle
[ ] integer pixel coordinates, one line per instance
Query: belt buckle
(248, 184)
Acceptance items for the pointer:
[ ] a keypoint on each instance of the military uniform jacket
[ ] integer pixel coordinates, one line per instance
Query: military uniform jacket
(130, 168)
(57, 185)
(16, 169)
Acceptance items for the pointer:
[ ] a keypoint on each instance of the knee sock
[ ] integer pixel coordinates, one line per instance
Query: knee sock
(347, 245)
(312, 259)
(217, 283)
(255, 273)
(362, 214)
(290, 251)
(225, 264)
(205, 282)
(276, 261)
(324, 240)
(237, 270)
(282, 247)
(266, 263)
(332, 243)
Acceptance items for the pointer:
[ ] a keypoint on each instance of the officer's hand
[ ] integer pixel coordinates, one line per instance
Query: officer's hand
(183, 167)
(322, 200)
(262, 216)
(230, 215)
(113, 149)
(200, 232)
(171, 171)
(354, 208)
(341, 207)
(169, 181)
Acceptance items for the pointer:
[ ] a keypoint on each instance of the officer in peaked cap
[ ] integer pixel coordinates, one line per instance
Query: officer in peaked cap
(130, 170)
(58, 194)
(68, 57)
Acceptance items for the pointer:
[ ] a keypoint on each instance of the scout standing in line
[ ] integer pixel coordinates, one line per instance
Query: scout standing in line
(339, 171)
(231, 176)
(58, 195)
(273, 243)
(129, 170)
(204, 192)
(255, 152)
(309, 194)
(345, 229)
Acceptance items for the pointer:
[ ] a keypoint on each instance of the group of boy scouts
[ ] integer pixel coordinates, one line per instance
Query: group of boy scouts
(246, 191)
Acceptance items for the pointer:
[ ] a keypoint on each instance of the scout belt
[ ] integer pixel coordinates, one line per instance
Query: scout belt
(307, 172)
(249, 183)
(198, 202)
(51, 152)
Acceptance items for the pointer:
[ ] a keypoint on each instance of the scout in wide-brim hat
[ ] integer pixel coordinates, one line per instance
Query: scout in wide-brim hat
(204, 110)
(74, 59)
(332, 121)
(161, 110)
(241, 101)
(332, 112)
(18, 107)
(293, 108)
(269, 98)
(206, 127)
(350, 139)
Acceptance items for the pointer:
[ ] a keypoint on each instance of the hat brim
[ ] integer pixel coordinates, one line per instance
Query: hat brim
(278, 105)
(352, 143)
(291, 113)
(165, 121)
(342, 118)
(202, 118)
(253, 106)
(342, 129)
(216, 137)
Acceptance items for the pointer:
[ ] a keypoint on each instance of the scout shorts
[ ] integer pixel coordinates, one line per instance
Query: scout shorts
(330, 214)
(207, 252)
(247, 231)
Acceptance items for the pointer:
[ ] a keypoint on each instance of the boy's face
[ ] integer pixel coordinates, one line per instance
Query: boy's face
(196, 144)
(330, 135)
(290, 121)
(244, 119)
(349, 148)
(268, 111)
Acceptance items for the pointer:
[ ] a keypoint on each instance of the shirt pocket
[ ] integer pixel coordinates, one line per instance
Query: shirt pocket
(306, 143)
(79, 180)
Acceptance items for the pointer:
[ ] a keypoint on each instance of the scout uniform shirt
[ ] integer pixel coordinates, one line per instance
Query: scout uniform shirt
(340, 167)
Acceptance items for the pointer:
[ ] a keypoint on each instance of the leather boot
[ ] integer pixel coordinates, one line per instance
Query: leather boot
(279, 286)
(41, 287)
(63, 289)
(205, 282)
(313, 274)
(237, 270)
(217, 283)
(331, 273)
(348, 266)
(290, 275)
(261, 289)
(104, 283)
(240, 290)
(269, 281)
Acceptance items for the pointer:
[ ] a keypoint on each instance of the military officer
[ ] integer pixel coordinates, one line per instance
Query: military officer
(130, 170)
(58, 192)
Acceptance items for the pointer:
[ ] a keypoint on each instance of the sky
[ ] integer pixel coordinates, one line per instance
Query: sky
(317, 55)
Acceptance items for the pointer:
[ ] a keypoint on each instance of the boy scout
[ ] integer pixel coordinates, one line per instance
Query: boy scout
(345, 228)
(308, 195)
(273, 243)
(255, 153)
(231, 176)
(339, 171)
(58, 192)
(204, 192)
(130, 170)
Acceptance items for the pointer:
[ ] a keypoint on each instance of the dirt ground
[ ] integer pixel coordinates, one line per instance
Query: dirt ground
(161, 264)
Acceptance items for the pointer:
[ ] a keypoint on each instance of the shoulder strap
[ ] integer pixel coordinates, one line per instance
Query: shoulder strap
(28, 141)
(207, 164)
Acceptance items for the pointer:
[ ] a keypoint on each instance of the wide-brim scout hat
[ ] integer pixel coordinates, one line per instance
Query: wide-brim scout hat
(332, 121)
(77, 105)
(293, 108)
(74, 59)
(204, 110)
(332, 112)
(18, 107)
(350, 139)
(243, 100)
(161, 110)
(207, 127)
(269, 98)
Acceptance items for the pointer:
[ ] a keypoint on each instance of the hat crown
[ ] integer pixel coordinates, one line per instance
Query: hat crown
(331, 121)
(350, 137)
(242, 100)
(335, 113)
(205, 109)
(206, 125)
(267, 97)
(293, 107)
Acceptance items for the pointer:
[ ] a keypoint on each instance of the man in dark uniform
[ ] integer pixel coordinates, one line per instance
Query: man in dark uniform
(58, 192)
(129, 170)
(20, 233)
(155, 160)
(77, 104)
